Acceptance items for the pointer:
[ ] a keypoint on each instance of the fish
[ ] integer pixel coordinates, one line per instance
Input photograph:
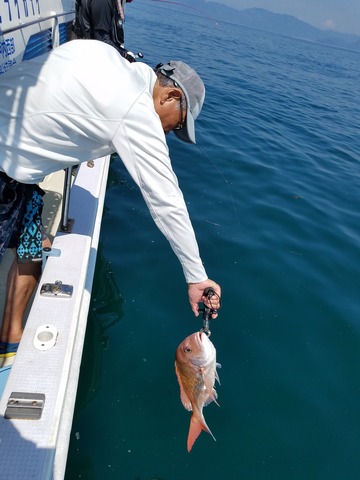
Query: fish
(195, 366)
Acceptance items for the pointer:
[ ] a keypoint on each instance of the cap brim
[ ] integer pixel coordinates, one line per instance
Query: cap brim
(187, 133)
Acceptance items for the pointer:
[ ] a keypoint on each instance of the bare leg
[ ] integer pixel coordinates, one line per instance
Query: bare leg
(21, 282)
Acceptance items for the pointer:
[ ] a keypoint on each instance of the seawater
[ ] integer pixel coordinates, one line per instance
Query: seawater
(273, 193)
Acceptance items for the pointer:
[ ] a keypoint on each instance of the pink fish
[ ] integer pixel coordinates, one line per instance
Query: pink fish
(195, 367)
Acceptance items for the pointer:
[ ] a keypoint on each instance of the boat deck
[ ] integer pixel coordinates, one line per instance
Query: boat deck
(44, 376)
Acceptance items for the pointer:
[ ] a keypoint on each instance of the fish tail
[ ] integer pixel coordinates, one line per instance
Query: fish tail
(196, 426)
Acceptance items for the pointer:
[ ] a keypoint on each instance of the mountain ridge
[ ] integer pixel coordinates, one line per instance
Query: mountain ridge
(286, 25)
(266, 20)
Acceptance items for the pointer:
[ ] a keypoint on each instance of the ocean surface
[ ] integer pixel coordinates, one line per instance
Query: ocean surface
(273, 192)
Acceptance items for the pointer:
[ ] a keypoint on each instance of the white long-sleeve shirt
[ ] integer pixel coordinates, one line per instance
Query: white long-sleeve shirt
(83, 101)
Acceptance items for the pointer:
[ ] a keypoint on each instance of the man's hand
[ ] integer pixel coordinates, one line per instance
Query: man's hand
(196, 295)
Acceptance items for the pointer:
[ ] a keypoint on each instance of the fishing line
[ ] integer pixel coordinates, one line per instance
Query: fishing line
(223, 177)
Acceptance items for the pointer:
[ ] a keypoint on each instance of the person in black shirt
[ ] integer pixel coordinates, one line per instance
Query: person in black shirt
(102, 20)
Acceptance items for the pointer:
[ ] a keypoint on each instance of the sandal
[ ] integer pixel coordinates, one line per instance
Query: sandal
(8, 349)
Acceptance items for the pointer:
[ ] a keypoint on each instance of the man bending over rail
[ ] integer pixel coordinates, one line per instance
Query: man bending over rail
(64, 108)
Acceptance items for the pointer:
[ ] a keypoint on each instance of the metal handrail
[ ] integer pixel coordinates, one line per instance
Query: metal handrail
(33, 22)
(64, 222)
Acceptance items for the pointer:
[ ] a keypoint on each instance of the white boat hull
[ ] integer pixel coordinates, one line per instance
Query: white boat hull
(28, 29)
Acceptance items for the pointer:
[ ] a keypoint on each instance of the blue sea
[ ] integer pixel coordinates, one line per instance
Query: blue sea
(273, 192)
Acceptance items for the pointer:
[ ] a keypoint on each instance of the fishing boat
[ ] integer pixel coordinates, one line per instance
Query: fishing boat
(38, 386)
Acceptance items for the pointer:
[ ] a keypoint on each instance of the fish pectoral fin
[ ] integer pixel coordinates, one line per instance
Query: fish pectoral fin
(196, 426)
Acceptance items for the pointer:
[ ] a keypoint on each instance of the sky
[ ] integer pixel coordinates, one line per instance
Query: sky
(340, 15)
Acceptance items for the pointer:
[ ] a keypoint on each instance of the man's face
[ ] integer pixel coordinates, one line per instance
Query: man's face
(171, 110)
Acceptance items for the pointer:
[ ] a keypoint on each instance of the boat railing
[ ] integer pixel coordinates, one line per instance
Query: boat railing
(65, 221)
(34, 22)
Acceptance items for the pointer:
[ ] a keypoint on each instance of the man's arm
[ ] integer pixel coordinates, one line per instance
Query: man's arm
(141, 145)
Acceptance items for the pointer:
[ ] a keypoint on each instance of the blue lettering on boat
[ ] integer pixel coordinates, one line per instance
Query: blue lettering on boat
(29, 8)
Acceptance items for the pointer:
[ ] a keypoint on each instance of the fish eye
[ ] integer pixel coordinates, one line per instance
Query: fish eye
(187, 349)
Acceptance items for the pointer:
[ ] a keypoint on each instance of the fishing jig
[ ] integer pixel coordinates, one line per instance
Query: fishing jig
(208, 311)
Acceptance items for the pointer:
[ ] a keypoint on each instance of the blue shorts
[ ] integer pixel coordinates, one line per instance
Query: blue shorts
(20, 219)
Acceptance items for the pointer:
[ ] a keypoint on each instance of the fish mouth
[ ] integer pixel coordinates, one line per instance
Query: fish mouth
(201, 336)
(201, 339)
(197, 338)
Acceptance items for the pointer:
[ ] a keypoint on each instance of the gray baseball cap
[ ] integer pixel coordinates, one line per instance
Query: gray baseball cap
(194, 90)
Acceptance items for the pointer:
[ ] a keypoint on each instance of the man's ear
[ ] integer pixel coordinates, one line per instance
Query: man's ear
(171, 93)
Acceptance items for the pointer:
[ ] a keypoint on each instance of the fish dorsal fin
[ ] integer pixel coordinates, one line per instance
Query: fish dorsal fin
(216, 373)
(184, 398)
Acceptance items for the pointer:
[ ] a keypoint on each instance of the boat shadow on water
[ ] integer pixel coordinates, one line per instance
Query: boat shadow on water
(106, 310)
